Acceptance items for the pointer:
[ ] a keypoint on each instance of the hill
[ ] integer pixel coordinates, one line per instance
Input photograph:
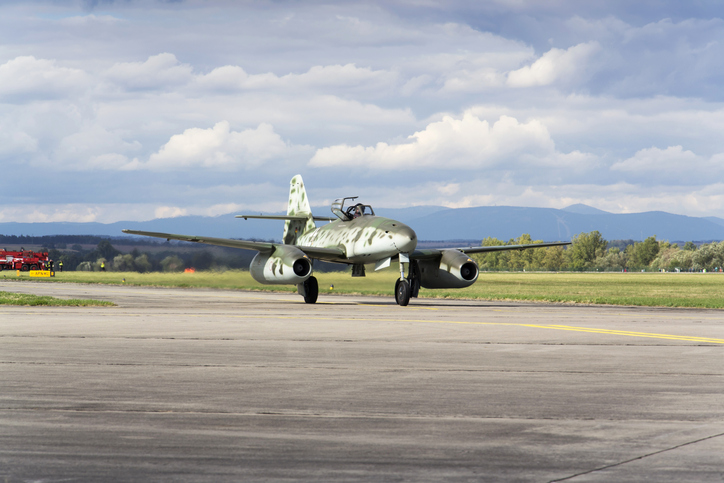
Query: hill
(430, 223)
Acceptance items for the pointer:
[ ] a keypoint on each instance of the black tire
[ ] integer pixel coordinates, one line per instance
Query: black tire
(33, 267)
(311, 290)
(402, 292)
(24, 268)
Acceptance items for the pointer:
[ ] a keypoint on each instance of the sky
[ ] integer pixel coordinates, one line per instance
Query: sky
(134, 110)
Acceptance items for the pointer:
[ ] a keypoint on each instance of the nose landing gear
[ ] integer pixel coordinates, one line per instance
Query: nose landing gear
(404, 287)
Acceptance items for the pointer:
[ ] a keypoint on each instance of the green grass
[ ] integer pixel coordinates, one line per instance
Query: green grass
(704, 290)
(7, 298)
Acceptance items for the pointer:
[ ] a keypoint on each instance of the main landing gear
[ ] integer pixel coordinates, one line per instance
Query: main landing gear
(405, 288)
(309, 289)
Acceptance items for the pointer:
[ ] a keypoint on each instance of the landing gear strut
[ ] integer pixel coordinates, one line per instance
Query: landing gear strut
(402, 286)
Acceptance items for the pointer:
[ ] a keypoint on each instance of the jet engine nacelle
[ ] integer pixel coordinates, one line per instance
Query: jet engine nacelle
(453, 270)
(286, 265)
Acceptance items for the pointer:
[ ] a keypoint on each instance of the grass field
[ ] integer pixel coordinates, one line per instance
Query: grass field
(705, 290)
(7, 298)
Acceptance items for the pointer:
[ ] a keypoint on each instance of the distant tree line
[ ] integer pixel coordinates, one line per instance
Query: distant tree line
(588, 252)
(64, 241)
(171, 259)
(157, 257)
(591, 252)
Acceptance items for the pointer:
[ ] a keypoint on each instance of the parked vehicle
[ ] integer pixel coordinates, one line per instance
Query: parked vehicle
(24, 260)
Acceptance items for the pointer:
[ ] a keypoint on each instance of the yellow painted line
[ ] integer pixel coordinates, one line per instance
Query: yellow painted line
(621, 314)
(591, 330)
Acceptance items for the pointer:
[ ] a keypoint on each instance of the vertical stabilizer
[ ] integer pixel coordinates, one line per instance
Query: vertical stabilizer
(298, 206)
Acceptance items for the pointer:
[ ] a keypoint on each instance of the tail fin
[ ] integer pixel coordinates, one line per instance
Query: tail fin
(298, 206)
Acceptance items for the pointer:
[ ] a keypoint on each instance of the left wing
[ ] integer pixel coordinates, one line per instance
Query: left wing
(329, 254)
(427, 253)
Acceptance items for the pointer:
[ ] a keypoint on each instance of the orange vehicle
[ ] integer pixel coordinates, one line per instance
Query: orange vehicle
(24, 260)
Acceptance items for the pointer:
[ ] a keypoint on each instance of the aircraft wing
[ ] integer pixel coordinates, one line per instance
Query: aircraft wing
(222, 242)
(329, 254)
(428, 253)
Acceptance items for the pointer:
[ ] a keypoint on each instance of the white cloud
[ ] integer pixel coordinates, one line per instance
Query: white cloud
(46, 213)
(318, 78)
(654, 159)
(226, 78)
(554, 65)
(89, 20)
(93, 147)
(169, 212)
(16, 143)
(158, 71)
(219, 147)
(27, 78)
(672, 165)
(469, 143)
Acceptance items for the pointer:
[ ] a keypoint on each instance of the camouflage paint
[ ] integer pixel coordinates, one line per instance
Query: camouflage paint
(364, 240)
(277, 267)
(298, 206)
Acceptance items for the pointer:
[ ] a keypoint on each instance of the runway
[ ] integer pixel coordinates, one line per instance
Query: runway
(210, 385)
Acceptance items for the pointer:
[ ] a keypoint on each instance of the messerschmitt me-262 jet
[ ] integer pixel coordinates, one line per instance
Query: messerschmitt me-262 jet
(356, 236)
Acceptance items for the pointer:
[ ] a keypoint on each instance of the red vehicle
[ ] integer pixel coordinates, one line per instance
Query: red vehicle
(24, 260)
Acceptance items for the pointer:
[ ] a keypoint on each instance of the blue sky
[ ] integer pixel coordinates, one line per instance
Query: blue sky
(135, 110)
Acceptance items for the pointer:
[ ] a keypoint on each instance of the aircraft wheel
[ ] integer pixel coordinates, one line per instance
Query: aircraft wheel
(311, 290)
(402, 292)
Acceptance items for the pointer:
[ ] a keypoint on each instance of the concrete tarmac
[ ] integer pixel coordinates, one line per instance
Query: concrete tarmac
(208, 385)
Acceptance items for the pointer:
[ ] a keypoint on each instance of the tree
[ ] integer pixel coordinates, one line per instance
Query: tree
(492, 260)
(690, 246)
(172, 263)
(643, 253)
(123, 263)
(530, 259)
(586, 248)
(142, 263)
(202, 260)
(554, 258)
(614, 260)
(106, 250)
(709, 256)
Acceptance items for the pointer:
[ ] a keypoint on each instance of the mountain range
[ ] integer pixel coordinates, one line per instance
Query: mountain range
(431, 223)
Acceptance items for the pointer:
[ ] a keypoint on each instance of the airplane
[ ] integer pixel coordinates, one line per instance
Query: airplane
(355, 236)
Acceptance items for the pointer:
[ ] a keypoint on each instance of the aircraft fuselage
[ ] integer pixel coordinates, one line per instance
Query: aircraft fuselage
(365, 239)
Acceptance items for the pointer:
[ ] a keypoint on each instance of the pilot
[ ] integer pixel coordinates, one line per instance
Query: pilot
(357, 211)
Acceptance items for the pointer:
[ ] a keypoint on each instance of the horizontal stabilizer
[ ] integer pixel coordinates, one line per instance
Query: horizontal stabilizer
(285, 217)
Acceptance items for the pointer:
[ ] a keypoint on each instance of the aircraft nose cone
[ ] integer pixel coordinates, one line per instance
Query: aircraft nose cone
(405, 238)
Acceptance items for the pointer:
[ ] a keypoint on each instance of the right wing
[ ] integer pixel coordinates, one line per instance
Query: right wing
(222, 242)
(498, 248)
(432, 253)
(329, 254)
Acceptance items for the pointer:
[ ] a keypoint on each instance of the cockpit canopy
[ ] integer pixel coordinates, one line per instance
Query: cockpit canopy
(351, 212)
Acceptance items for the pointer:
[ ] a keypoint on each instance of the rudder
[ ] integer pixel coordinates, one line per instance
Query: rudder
(298, 206)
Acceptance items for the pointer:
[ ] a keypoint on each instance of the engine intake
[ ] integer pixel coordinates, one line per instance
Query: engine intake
(286, 265)
(454, 269)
